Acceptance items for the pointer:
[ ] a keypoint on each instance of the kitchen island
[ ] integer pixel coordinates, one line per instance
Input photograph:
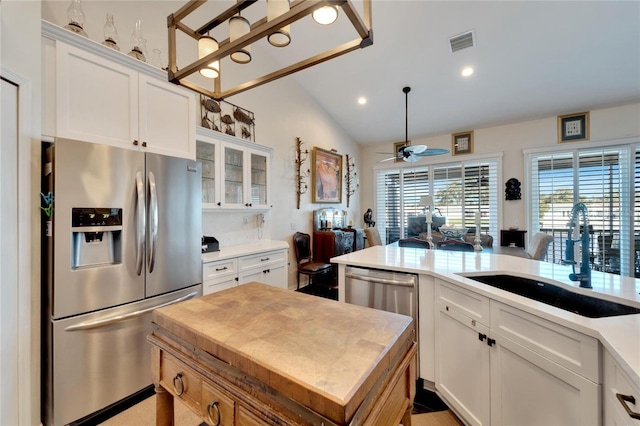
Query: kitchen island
(256, 354)
(598, 350)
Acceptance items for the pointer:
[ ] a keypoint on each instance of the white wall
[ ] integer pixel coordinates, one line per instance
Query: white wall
(283, 111)
(20, 61)
(606, 124)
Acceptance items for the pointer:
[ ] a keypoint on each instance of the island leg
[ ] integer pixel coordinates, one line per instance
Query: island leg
(164, 407)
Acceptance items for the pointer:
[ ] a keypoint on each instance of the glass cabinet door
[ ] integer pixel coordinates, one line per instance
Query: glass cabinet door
(233, 176)
(258, 179)
(206, 155)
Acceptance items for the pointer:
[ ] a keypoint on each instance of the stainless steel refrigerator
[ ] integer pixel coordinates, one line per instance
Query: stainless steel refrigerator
(122, 238)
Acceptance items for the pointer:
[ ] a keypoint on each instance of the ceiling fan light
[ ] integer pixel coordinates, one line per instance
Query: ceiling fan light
(238, 27)
(206, 46)
(325, 15)
(281, 37)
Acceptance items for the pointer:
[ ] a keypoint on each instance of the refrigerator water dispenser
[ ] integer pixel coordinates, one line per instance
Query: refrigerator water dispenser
(96, 237)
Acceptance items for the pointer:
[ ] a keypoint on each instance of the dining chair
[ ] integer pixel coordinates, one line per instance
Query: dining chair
(304, 258)
(373, 236)
(539, 245)
(454, 245)
(413, 242)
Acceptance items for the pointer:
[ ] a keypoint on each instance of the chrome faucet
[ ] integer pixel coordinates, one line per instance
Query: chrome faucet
(585, 269)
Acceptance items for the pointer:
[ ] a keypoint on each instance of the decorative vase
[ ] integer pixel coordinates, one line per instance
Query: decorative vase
(139, 43)
(76, 18)
(110, 33)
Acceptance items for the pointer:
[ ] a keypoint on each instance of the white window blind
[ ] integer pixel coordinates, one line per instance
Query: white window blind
(601, 179)
(459, 190)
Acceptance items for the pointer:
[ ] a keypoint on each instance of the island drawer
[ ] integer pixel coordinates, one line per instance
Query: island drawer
(571, 349)
(217, 407)
(181, 381)
(473, 305)
(619, 389)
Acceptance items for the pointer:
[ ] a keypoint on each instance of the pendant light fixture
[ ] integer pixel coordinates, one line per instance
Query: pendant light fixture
(281, 37)
(274, 25)
(238, 27)
(325, 15)
(207, 45)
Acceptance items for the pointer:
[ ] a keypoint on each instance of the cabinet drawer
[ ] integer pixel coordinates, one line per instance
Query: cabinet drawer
(181, 381)
(214, 286)
(573, 350)
(616, 381)
(262, 259)
(222, 268)
(471, 304)
(217, 407)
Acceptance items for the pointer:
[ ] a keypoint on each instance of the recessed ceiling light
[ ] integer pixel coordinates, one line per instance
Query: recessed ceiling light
(362, 100)
(467, 71)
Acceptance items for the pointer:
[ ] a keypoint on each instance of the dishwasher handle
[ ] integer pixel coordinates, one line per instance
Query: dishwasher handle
(406, 283)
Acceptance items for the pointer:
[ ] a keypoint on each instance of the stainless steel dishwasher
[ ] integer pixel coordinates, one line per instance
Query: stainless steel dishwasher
(385, 290)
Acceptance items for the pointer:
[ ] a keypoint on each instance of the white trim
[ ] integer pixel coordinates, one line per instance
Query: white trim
(28, 354)
(571, 146)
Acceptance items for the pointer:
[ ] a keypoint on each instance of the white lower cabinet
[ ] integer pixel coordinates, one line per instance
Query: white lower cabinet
(518, 370)
(621, 395)
(266, 267)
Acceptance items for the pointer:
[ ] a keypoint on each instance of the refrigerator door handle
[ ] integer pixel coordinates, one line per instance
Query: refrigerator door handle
(141, 224)
(153, 221)
(103, 322)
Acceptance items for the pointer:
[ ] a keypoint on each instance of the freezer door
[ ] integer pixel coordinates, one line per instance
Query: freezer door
(174, 224)
(94, 267)
(100, 358)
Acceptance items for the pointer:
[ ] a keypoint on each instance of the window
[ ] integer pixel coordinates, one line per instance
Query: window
(458, 189)
(601, 178)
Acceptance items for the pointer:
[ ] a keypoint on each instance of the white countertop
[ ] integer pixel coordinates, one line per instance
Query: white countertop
(244, 250)
(620, 335)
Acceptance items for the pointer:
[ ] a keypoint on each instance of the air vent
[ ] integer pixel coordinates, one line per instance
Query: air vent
(462, 41)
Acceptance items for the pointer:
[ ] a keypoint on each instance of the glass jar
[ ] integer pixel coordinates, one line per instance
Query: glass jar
(110, 33)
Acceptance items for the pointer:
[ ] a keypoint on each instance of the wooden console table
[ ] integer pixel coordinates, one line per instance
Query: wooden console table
(256, 355)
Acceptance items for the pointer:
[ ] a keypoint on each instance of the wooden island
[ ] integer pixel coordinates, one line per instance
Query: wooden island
(256, 354)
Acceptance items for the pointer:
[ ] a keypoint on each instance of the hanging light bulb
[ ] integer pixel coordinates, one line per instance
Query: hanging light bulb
(276, 8)
(325, 15)
(76, 18)
(206, 46)
(238, 27)
(110, 33)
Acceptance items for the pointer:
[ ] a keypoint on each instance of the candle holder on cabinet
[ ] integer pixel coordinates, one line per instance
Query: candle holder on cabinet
(301, 157)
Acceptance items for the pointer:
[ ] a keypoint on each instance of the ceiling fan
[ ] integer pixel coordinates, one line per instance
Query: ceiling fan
(411, 153)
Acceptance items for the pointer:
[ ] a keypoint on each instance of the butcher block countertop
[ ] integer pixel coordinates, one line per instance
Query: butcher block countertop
(325, 355)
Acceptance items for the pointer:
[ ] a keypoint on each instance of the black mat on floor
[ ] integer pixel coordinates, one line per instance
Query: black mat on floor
(321, 291)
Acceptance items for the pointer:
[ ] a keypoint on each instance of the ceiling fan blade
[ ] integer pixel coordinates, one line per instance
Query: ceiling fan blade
(411, 158)
(386, 159)
(416, 149)
(432, 151)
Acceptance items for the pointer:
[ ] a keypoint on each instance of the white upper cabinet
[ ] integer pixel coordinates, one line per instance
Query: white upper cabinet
(104, 96)
(235, 173)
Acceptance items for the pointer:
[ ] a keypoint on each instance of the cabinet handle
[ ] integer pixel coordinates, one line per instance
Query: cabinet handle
(236, 278)
(446, 308)
(219, 203)
(221, 269)
(628, 398)
(481, 337)
(491, 341)
(178, 384)
(135, 142)
(213, 406)
(266, 271)
(144, 144)
(264, 260)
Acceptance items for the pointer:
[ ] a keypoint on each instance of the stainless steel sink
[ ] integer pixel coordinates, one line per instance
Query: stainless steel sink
(554, 295)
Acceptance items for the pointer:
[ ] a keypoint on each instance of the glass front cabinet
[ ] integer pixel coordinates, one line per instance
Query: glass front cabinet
(235, 173)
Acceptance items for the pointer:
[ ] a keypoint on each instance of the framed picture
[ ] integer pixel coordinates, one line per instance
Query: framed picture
(397, 146)
(573, 127)
(462, 143)
(326, 176)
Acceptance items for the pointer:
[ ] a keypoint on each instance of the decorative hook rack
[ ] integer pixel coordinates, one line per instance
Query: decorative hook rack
(351, 178)
(301, 157)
